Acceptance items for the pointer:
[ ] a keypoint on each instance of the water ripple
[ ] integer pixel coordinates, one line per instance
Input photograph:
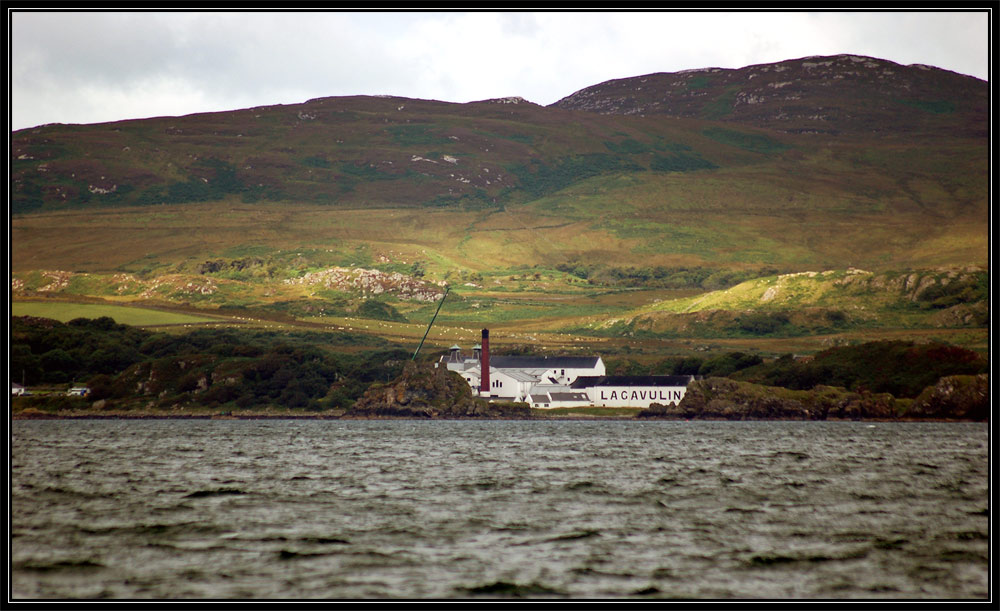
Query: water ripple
(498, 510)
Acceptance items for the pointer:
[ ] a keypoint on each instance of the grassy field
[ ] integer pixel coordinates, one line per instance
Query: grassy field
(126, 315)
(578, 195)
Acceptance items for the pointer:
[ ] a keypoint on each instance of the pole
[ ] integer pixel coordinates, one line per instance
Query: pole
(440, 303)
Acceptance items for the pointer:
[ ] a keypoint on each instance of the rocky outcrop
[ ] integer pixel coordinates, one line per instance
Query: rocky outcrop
(371, 282)
(725, 399)
(424, 391)
(955, 397)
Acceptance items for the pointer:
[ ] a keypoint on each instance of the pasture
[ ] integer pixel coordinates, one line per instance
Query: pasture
(125, 315)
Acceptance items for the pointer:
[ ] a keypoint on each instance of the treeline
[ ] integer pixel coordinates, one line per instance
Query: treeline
(900, 368)
(663, 277)
(44, 351)
(722, 365)
(207, 367)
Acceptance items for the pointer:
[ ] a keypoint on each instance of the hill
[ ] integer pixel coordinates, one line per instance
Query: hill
(841, 94)
(690, 181)
(821, 302)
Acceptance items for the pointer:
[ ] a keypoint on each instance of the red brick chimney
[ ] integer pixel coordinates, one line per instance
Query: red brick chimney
(484, 364)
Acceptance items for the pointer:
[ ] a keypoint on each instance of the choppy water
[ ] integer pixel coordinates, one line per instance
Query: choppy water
(408, 509)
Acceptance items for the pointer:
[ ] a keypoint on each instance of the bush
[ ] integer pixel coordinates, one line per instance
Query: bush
(725, 365)
(378, 310)
(252, 367)
(903, 369)
(763, 323)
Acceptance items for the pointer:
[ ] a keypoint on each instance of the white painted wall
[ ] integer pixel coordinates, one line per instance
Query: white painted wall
(635, 396)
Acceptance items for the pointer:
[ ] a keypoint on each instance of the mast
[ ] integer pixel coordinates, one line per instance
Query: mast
(440, 303)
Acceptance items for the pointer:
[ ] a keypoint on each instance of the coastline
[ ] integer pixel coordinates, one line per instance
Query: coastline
(565, 418)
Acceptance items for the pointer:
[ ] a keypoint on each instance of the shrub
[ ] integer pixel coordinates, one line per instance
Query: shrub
(903, 369)
(727, 364)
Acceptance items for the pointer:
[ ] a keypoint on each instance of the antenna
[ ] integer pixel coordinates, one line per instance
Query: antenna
(440, 303)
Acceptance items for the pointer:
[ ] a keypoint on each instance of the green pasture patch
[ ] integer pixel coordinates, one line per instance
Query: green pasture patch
(628, 146)
(317, 161)
(540, 179)
(651, 237)
(65, 312)
(247, 250)
(757, 143)
(699, 82)
(938, 107)
(416, 135)
(680, 162)
(365, 172)
(522, 138)
(722, 105)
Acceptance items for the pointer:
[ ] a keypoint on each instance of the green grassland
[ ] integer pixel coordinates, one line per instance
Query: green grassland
(125, 315)
(558, 229)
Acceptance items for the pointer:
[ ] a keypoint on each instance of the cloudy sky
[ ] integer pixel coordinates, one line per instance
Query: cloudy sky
(89, 67)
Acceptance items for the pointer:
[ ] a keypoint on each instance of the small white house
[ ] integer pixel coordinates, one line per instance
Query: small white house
(16, 390)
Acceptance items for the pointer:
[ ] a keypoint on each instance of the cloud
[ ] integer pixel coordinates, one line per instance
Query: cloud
(103, 66)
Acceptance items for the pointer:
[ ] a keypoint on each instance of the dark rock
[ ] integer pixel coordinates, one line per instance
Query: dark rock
(424, 391)
(726, 399)
(955, 397)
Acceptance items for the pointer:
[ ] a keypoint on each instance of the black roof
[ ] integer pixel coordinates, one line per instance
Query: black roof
(569, 396)
(543, 362)
(590, 381)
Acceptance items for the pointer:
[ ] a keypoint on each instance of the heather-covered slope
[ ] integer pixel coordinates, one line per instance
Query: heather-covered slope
(841, 94)
(659, 181)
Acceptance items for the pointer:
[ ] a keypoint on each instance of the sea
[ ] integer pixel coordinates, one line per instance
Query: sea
(311, 510)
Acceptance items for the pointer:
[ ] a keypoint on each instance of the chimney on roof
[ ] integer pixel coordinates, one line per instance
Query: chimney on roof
(484, 364)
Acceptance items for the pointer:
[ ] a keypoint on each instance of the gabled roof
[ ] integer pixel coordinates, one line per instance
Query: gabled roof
(520, 376)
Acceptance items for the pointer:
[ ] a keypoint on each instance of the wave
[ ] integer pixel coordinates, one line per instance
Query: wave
(216, 492)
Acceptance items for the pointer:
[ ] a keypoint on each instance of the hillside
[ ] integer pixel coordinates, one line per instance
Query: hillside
(821, 302)
(842, 94)
(544, 217)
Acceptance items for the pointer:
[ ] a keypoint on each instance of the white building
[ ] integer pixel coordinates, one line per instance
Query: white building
(518, 378)
(633, 391)
(561, 381)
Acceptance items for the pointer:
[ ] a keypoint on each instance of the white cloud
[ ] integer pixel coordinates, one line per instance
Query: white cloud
(102, 66)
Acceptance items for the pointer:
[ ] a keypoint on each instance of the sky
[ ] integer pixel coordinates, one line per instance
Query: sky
(93, 67)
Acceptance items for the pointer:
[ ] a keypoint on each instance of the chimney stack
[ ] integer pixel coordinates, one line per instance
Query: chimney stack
(484, 364)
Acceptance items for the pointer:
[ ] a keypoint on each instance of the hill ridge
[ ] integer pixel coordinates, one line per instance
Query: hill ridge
(789, 96)
(506, 194)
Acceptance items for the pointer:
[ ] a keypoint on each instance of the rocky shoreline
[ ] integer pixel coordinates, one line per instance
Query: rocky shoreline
(429, 393)
(953, 398)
